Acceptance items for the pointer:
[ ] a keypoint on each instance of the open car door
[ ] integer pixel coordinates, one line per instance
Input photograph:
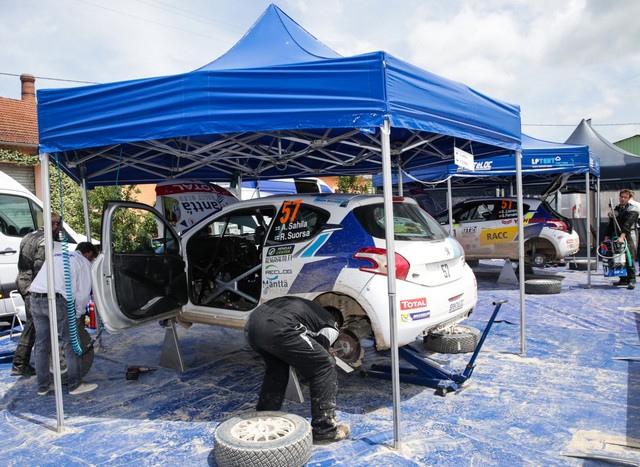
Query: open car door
(138, 277)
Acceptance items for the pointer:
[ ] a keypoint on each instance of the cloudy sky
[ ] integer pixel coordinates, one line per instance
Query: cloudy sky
(560, 60)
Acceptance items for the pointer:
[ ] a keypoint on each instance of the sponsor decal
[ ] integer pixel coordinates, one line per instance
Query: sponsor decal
(282, 250)
(272, 273)
(484, 165)
(413, 303)
(406, 317)
(288, 226)
(455, 303)
(553, 161)
(278, 259)
(185, 203)
(491, 236)
(272, 278)
(275, 284)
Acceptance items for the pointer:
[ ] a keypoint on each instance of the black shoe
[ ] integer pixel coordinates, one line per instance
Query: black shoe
(22, 370)
(622, 281)
(342, 432)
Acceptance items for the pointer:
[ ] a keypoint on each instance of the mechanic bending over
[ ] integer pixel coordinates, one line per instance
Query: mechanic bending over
(80, 278)
(624, 224)
(292, 331)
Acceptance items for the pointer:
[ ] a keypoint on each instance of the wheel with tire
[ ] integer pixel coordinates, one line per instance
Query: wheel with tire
(263, 438)
(542, 286)
(86, 359)
(456, 339)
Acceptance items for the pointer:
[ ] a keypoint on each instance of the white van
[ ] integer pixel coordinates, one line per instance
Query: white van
(20, 213)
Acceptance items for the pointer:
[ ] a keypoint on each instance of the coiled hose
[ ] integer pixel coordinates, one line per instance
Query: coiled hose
(71, 306)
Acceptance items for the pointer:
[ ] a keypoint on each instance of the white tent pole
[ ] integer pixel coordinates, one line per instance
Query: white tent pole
(85, 205)
(450, 206)
(387, 193)
(598, 211)
(588, 207)
(400, 185)
(51, 289)
(521, 265)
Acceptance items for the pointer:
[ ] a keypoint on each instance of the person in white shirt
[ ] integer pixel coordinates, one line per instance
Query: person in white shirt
(80, 281)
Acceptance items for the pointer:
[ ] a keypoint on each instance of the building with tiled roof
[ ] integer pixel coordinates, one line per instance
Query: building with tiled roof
(19, 131)
(19, 119)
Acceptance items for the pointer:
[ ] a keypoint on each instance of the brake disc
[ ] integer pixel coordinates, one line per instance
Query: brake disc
(347, 346)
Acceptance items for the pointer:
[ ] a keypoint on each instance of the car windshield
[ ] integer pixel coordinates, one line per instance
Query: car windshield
(410, 222)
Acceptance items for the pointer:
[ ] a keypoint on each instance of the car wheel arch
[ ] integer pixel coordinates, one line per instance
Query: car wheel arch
(540, 245)
(351, 311)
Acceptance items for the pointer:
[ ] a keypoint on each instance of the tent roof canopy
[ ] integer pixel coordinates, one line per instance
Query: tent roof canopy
(617, 165)
(278, 104)
(538, 158)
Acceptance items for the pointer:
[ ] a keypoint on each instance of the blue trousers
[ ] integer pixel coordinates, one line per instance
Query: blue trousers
(40, 312)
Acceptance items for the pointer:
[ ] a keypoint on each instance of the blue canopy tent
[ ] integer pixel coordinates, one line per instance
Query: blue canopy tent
(278, 104)
(539, 159)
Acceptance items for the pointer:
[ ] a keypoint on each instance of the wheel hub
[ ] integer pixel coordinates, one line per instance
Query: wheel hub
(263, 429)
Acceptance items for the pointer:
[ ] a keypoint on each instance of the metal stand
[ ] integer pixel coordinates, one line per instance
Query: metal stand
(171, 357)
(428, 372)
(293, 392)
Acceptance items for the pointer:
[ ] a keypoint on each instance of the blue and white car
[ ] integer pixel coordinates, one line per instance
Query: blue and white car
(329, 248)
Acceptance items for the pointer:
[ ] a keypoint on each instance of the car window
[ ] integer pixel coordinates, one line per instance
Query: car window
(296, 222)
(410, 222)
(135, 231)
(17, 216)
(476, 212)
(224, 258)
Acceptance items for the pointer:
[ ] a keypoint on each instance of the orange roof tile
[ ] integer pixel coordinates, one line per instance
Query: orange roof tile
(18, 121)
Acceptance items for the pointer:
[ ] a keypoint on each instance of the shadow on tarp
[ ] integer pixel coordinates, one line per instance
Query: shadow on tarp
(223, 377)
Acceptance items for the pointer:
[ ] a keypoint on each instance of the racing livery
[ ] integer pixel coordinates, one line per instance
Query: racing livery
(329, 248)
(488, 228)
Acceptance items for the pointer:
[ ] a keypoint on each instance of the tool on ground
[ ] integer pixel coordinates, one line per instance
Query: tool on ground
(6, 357)
(134, 371)
(428, 372)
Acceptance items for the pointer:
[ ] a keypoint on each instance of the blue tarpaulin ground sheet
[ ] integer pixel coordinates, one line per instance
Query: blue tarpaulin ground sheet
(572, 393)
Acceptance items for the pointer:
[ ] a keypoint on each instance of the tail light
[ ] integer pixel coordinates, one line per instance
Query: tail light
(378, 259)
(557, 224)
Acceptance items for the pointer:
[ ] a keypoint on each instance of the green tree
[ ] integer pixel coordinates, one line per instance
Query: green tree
(66, 199)
(354, 184)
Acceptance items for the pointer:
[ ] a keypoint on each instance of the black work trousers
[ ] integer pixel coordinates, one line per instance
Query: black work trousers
(27, 340)
(631, 268)
(282, 342)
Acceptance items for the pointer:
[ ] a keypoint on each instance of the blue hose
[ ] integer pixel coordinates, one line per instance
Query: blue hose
(71, 307)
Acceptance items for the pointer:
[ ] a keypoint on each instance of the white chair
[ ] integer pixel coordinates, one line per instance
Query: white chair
(18, 309)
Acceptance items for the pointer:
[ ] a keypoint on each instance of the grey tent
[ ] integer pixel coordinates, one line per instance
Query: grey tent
(618, 168)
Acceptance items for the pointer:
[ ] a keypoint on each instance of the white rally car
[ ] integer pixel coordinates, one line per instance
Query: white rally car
(488, 228)
(329, 248)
